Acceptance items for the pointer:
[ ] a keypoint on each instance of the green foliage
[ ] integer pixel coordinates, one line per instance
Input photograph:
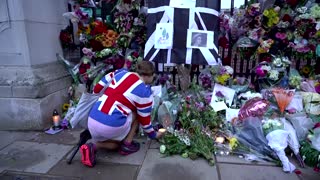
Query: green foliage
(311, 155)
(195, 116)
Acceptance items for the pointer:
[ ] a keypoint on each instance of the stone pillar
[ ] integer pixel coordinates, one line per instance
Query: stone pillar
(32, 82)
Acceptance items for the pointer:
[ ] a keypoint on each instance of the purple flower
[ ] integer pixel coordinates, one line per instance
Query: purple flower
(317, 88)
(219, 94)
(199, 105)
(163, 79)
(208, 98)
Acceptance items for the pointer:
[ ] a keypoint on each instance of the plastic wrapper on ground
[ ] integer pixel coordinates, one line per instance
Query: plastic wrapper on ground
(81, 114)
(315, 140)
(292, 136)
(301, 124)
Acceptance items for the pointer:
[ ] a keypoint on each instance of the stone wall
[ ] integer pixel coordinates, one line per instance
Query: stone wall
(32, 81)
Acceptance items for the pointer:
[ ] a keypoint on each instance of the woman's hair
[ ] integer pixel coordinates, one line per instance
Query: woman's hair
(145, 68)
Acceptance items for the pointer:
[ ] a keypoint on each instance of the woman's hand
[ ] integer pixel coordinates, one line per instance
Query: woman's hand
(159, 134)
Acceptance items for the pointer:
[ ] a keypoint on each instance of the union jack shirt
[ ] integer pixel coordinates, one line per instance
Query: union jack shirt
(125, 93)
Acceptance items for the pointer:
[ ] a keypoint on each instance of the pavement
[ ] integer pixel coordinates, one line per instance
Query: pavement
(31, 155)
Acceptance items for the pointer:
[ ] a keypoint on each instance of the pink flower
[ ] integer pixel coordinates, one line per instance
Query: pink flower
(128, 64)
(188, 98)
(260, 72)
(281, 36)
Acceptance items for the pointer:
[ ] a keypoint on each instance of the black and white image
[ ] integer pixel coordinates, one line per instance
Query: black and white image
(199, 39)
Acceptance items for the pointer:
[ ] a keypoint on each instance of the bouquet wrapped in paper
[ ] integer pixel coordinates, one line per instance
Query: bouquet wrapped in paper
(250, 134)
(278, 140)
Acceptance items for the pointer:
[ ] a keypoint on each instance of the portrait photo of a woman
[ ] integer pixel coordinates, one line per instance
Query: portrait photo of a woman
(199, 39)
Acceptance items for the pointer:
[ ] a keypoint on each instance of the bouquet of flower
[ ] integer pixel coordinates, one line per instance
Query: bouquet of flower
(278, 140)
(240, 84)
(270, 125)
(133, 58)
(222, 74)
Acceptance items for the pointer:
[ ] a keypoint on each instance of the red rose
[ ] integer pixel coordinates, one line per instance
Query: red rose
(95, 45)
(286, 18)
(316, 125)
(135, 54)
(226, 61)
(83, 68)
(312, 47)
(223, 42)
(119, 63)
(292, 2)
(127, 1)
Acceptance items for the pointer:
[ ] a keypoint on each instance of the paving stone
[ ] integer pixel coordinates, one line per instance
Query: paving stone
(103, 171)
(154, 144)
(156, 167)
(8, 137)
(307, 173)
(237, 160)
(31, 176)
(249, 172)
(31, 156)
(70, 137)
(104, 156)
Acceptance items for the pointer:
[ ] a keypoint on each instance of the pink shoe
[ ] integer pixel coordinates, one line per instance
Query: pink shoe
(127, 149)
(88, 154)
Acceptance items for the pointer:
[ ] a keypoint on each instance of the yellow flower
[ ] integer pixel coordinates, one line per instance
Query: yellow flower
(233, 143)
(222, 79)
(306, 70)
(269, 24)
(65, 106)
(87, 30)
(275, 20)
(266, 13)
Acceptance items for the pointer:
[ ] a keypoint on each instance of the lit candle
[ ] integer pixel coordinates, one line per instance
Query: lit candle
(56, 118)
(162, 130)
(219, 140)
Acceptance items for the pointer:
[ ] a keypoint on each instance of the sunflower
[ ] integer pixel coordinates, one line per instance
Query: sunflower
(65, 106)
(306, 70)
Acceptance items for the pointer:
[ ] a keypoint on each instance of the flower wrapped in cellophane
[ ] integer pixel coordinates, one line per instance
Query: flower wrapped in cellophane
(278, 140)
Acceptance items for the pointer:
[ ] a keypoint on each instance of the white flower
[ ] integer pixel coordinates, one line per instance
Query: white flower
(274, 75)
(305, 16)
(286, 60)
(283, 24)
(106, 52)
(229, 69)
(318, 26)
(302, 10)
(277, 62)
(266, 68)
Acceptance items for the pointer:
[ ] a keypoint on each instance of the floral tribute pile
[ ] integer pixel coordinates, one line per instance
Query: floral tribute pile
(258, 125)
(274, 28)
(223, 114)
(105, 43)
